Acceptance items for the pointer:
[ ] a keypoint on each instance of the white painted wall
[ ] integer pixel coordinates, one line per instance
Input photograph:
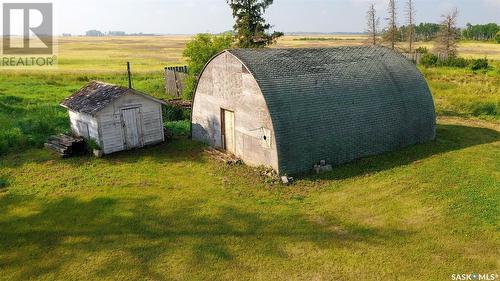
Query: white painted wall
(111, 126)
(91, 122)
(225, 85)
(106, 128)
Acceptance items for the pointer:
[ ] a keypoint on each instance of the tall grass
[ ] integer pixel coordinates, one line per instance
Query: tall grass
(463, 92)
(29, 103)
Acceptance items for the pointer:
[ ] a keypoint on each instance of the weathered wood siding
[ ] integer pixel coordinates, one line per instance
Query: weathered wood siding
(111, 125)
(227, 84)
(90, 121)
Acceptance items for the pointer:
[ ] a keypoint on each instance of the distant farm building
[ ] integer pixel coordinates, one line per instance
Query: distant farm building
(293, 108)
(117, 118)
(175, 77)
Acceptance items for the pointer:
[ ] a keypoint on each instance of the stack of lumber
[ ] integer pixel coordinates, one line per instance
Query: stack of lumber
(65, 145)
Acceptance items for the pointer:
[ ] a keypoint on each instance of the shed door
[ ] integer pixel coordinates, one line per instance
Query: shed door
(228, 136)
(131, 127)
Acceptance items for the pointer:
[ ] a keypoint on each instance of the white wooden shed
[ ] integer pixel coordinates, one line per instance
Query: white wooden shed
(117, 118)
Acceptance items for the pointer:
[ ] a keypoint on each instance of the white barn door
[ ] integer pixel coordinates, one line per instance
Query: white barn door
(132, 127)
(228, 135)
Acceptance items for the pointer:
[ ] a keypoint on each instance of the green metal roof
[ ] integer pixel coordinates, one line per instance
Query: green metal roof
(340, 104)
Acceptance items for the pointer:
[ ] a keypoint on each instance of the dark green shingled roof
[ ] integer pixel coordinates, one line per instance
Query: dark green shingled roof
(340, 104)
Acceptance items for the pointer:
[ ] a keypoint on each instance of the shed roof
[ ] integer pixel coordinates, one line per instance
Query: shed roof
(96, 95)
(340, 103)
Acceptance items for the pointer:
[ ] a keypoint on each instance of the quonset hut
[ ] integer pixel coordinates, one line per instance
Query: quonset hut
(292, 108)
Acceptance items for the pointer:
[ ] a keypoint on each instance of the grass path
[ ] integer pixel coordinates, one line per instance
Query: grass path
(171, 212)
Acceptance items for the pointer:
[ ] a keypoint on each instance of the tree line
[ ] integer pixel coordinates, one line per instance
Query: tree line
(445, 34)
(430, 31)
(98, 33)
(481, 32)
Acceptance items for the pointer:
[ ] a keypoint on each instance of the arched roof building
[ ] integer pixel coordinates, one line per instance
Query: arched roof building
(291, 108)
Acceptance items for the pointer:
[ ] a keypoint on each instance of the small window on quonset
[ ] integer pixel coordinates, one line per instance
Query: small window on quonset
(266, 138)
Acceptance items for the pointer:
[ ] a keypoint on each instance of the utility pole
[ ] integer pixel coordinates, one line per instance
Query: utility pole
(129, 75)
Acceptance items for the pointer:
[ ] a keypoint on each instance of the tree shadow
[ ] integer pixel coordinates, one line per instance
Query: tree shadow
(449, 138)
(56, 234)
(179, 149)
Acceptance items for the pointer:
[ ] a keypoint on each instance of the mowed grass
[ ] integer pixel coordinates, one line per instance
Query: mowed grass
(173, 213)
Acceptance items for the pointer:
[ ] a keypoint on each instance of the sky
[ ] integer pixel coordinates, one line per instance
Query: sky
(195, 16)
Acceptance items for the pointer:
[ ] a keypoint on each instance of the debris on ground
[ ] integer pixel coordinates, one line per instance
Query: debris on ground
(286, 180)
(322, 167)
(222, 156)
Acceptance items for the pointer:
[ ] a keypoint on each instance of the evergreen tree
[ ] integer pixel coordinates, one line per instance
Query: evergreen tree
(251, 28)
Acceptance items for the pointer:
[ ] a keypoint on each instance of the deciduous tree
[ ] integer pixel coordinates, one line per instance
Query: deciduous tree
(373, 24)
(392, 28)
(446, 43)
(410, 16)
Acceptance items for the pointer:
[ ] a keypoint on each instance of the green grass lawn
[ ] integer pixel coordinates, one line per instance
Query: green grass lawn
(171, 212)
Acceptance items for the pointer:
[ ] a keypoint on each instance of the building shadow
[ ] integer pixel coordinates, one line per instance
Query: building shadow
(52, 235)
(449, 138)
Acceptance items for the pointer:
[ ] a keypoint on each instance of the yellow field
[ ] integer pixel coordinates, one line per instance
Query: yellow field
(105, 54)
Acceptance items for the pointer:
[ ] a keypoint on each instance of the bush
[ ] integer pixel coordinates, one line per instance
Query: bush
(172, 113)
(199, 51)
(3, 183)
(428, 60)
(422, 50)
(454, 62)
(479, 64)
(179, 128)
(92, 144)
(484, 108)
(497, 37)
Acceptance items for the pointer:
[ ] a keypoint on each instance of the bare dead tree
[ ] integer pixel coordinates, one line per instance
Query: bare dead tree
(392, 28)
(410, 14)
(373, 24)
(446, 43)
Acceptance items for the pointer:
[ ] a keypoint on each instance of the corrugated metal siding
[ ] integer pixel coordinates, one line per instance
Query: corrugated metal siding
(340, 104)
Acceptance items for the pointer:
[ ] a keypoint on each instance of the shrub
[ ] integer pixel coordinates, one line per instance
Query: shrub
(92, 144)
(422, 50)
(454, 62)
(497, 37)
(3, 183)
(171, 113)
(478, 64)
(179, 128)
(484, 108)
(199, 51)
(429, 59)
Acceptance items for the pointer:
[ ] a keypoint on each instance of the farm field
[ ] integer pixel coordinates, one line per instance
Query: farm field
(172, 212)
